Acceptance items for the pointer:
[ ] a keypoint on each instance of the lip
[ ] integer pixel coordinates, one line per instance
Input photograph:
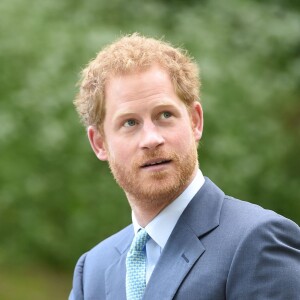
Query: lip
(157, 162)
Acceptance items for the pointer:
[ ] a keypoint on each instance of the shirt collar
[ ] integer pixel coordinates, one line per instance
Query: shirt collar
(161, 227)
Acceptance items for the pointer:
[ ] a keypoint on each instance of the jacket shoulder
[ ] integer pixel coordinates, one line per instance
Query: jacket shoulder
(250, 215)
(110, 248)
(267, 245)
(89, 274)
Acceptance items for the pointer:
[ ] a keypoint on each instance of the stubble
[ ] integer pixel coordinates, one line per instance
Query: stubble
(155, 189)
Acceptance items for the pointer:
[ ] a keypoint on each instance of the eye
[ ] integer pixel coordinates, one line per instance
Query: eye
(130, 123)
(166, 115)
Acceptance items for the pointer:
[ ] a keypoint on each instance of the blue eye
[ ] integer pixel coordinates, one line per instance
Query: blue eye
(130, 123)
(166, 115)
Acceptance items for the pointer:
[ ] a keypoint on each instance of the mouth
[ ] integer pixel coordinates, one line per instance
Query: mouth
(156, 162)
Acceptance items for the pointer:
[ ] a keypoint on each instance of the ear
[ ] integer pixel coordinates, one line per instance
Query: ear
(197, 120)
(97, 143)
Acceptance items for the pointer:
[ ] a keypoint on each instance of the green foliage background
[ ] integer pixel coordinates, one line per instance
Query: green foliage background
(56, 199)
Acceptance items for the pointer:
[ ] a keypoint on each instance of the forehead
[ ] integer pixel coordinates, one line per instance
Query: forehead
(138, 87)
(138, 81)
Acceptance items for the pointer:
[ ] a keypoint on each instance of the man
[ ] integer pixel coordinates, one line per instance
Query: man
(139, 101)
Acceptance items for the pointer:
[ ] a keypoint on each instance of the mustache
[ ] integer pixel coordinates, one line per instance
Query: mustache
(155, 154)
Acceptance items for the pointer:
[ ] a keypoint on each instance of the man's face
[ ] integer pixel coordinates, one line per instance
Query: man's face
(150, 138)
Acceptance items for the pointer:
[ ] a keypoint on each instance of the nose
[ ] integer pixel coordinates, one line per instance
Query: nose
(150, 137)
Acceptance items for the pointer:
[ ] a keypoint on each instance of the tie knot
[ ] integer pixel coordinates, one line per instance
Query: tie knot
(140, 240)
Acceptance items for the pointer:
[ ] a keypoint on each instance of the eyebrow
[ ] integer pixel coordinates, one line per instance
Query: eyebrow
(123, 116)
(129, 111)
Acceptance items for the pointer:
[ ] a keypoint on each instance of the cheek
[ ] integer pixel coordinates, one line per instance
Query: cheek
(184, 136)
(120, 151)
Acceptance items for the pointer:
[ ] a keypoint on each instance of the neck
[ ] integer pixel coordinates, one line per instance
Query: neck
(144, 215)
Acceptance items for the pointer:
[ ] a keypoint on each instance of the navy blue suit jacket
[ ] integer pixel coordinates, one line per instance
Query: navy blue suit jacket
(221, 248)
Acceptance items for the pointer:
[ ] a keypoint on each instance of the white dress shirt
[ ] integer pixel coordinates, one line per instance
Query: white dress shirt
(161, 227)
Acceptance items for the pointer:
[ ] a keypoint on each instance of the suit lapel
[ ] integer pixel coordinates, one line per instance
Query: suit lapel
(115, 280)
(184, 246)
(115, 275)
(179, 255)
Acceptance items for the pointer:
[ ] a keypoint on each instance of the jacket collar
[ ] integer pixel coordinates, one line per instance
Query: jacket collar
(181, 252)
(184, 246)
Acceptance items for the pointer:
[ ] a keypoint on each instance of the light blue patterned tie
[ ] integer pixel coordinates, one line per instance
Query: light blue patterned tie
(136, 267)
